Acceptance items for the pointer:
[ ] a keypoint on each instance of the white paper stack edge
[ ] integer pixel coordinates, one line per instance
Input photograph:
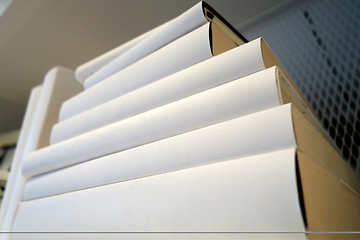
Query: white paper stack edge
(144, 45)
(42, 113)
(158, 144)
(228, 66)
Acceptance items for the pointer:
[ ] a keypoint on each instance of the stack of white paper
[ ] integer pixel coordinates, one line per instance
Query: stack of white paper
(41, 114)
(167, 138)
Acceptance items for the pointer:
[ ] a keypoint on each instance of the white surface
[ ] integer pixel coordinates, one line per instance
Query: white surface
(181, 25)
(263, 131)
(16, 181)
(39, 117)
(182, 53)
(251, 194)
(235, 63)
(59, 85)
(88, 68)
(161, 236)
(241, 97)
(129, 134)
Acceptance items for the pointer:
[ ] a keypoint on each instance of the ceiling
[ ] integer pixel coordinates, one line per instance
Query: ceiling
(39, 34)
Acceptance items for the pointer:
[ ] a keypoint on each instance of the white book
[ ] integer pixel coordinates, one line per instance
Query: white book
(186, 51)
(250, 194)
(193, 18)
(16, 181)
(230, 65)
(85, 70)
(246, 135)
(206, 108)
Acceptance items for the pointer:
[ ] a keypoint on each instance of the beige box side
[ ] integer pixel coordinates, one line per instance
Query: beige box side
(220, 41)
(270, 60)
(330, 205)
(313, 143)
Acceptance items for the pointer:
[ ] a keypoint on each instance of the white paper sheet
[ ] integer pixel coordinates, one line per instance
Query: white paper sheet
(59, 85)
(16, 181)
(88, 68)
(183, 24)
(235, 63)
(251, 130)
(182, 53)
(251, 194)
(207, 74)
(247, 95)
(161, 236)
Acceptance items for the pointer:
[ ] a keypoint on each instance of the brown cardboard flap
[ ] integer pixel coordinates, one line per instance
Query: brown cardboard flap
(329, 205)
(220, 42)
(310, 141)
(289, 94)
(223, 36)
(213, 16)
(270, 60)
(333, 236)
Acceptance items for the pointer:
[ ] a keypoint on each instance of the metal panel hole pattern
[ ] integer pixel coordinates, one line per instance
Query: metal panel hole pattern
(318, 43)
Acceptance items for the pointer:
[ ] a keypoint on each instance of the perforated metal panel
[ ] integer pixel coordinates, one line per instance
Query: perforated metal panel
(318, 43)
